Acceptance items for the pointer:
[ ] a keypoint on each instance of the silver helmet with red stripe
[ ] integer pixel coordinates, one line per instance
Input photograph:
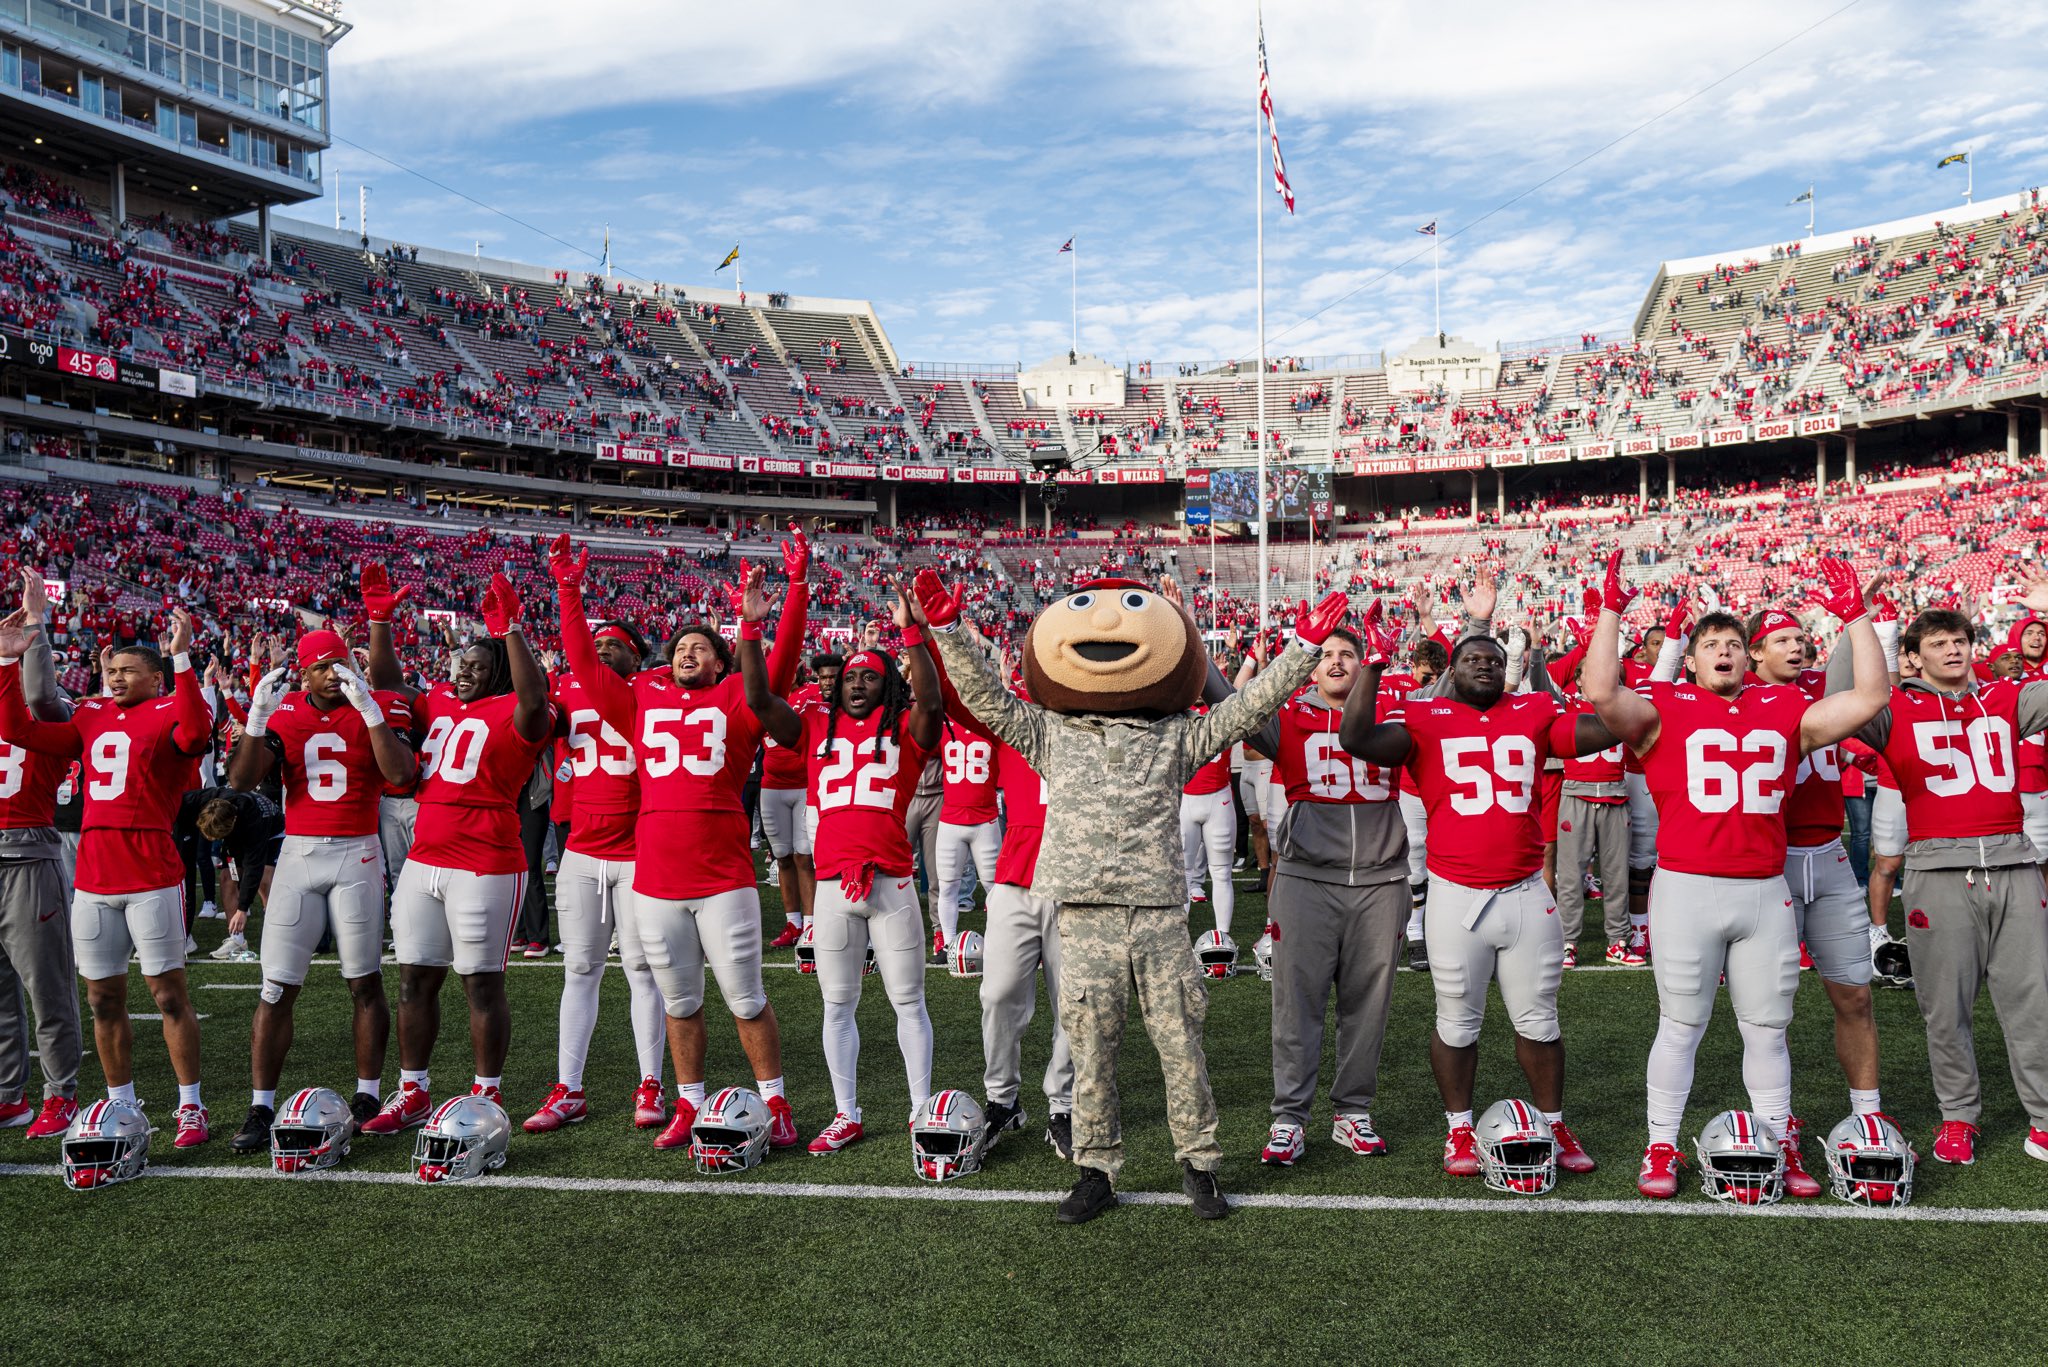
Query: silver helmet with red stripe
(731, 1133)
(1517, 1150)
(311, 1131)
(1740, 1160)
(108, 1142)
(948, 1136)
(463, 1139)
(964, 959)
(1870, 1162)
(1216, 952)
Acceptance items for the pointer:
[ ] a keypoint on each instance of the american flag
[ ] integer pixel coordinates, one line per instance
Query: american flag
(1280, 183)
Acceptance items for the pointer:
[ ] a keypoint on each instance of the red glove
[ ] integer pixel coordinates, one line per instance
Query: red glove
(941, 608)
(501, 606)
(1314, 626)
(1590, 605)
(379, 598)
(796, 554)
(1839, 593)
(567, 569)
(1616, 595)
(1679, 623)
(1382, 639)
(1884, 609)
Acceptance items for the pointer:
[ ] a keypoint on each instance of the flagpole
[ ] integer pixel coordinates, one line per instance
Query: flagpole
(1074, 293)
(1436, 261)
(1969, 177)
(1812, 209)
(1259, 210)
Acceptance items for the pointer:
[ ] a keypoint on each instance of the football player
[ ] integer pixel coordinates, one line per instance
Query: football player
(1208, 836)
(783, 811)
(337, 744)
(1720, 757)
(456, 901)
(970, 831)
(141, 752)
(1428, 658)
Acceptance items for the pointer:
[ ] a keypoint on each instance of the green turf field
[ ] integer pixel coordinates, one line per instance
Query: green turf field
(209, 1268)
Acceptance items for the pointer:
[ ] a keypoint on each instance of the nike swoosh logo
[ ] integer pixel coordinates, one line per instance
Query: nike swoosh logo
(902, 885)
(48, 915)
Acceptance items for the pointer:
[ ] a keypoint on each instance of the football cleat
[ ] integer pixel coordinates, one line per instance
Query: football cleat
(650, 1108)
(1739, 1161)
(1059, 1132)
(1805, 958)
(843, 1130)
(494, 1095)
(788, 937)
(1571, 1154)
(57, 1114)
(1869, 1162)
(1285, 1144)
(1798, 1181)
(1571, 956)
(676, 1134)
(1002, 1116)
(1461, 1152)
(254, 1136)
(192, 1131)
(16, 1112)
(1355, 1132)
(563, 1107)
(2036, 1144)
(1418, 956)
(1517, 1150)
(938, 946)
(781, 1124)
(1658, 1179)
(1956, 1143)
(1623, 954)
(408, 1106)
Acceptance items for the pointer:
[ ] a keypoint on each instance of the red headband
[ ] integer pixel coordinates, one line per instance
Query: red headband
(869, 659)
(1775, 619)
(615, 633)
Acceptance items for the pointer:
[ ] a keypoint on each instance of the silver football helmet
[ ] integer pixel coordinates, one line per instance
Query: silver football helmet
(1870, 1162)
(1262, 953)
(731, 1132)
(108, 1142)
(464, 1138)
(948, 1136)
(807, 948)
(311, 1131)
(1740, 1160)
(964, 959)
(1891, 965)
(1217, 953)
(1517, 1151)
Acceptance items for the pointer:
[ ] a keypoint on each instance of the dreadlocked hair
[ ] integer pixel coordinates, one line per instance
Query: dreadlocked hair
(498, 678)
(895, 702)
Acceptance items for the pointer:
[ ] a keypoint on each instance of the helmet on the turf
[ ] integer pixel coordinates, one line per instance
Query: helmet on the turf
(1870, 1162)
(1262, 953)
(311, 1131)
(1891, 965)
(867, 965)
(465, 1138)
(1517, 1151)
(108, 1142)
(1739, 1160)
(807, 948)
(948, 1135)
(1217, 953)
(964, 960)
(731, 1132)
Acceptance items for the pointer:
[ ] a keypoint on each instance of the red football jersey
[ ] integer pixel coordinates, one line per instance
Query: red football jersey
(1313, 765)
(781, 766)
(1818, 806)
(28, 787)
(863, 790)
(1024, 817)
(1956, 761)
(604, 778)
(1720, 774)
(970, 769)
(1212, 777)
(1602, 766)
(1394, 690)
(326, 766)
(1482, 768)
(473, 764)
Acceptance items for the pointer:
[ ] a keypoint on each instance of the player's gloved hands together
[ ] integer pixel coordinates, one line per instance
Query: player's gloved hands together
(567, 567)
(357, 691)
(1615, 593)
(1839, 593)
(796, 554)
(1314, 625)
(501, 606)
(941, 609)
(379, 598)
(263, 702)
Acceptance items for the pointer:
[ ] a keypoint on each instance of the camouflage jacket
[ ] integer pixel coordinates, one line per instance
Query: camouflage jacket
(1113, 783)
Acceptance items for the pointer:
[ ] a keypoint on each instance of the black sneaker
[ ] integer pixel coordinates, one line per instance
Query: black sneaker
(362, 1106)
(1090, 1197)
(1002, 1116)
(1202, 1190)
(1418, 956)
(1059, 1132)
(254, 1136)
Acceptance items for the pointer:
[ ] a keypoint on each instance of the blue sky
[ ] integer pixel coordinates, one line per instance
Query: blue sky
(932, 156)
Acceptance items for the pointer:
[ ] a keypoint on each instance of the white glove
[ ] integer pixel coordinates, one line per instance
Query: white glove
(264, 701)
(1670, 656)
(1888, 642)
(359, 696)
(1518, 657)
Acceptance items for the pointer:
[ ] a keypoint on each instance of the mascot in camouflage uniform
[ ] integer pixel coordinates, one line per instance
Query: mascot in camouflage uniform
(1112, 670)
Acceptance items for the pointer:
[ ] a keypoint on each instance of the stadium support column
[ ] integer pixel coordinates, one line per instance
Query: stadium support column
(1475, 495)
(2043, 411)
(1849, 460)
(1820, 467)
(2012, 436)
(263, 231)
(1642, 484)
(1500, 494)
(1670, 480)
(119, 194)
(893, 523)
(1023, 512)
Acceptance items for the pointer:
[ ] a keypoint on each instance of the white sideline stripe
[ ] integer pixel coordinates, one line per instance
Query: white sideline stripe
(154, 1016)
(958, 1195)
(231, 987)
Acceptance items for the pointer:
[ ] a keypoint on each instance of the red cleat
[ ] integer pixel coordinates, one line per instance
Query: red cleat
(650, 1108)
(1461, 1153)
(1571, 956)
(1571, 1155)
(677, 1133)
(1957, 1142)
(492, 1093)
(13, 1113)
(1659, 1178)
(1623, 954)
(1805, 959)
(781, 1124)
(2037, 1144)
(563, 1107)
(192, 1131)
(791, 931)
(938, 946)
(58, 1113)
(842, 1131)
(1639, 941)
(1798, 1181)
(408, 1106)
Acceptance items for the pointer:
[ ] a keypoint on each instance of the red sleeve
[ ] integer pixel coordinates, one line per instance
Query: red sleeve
(956, 711)
(610, 696)
(1566, 665)
(194, 730)
(788, 650)
(235, 709)
(19, 728)
(1564, 741)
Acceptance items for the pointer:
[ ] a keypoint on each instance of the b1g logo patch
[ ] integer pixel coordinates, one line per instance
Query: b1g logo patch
(1917, 919)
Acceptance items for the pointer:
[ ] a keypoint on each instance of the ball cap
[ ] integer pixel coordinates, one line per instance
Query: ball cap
(319, 648)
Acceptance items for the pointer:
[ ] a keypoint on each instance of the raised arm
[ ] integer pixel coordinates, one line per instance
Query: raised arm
(1360, 732)
(788, 650)
(1020, 725)
(380, 600)
(927, 703)
(249, 763)
(533, 717)
(193, 732)
(17, 727)
(777, 717)
(1627, 714)
(395, 759)
(1239, 715)
(610, 696)
(956, 711)
(1838, 716)
(38, 661)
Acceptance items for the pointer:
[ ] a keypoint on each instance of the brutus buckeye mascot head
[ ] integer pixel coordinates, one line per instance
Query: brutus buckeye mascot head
(1115, 646)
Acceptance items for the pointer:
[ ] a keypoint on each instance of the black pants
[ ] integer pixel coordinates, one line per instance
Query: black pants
(533, 912)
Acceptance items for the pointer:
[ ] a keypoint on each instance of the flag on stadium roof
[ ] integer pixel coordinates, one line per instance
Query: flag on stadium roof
(730, 257)
(1806, 198)
(1428, 229)
(1066, 246)
(1280, 182)
(1951, 159)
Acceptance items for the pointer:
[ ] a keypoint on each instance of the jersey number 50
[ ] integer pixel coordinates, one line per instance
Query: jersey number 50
(1983, 759)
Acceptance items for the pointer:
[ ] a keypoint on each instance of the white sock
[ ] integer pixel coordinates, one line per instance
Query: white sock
(188, 1094)
(1767, 1074)
(417, 1077)
(268, 1099)
(489, 1082)
(1453, 1119)
(692, 1092)
(769, 1087)
(1864, 1103)
(368, 1086)
(650, 1022)
(124, 1092)
(1670, 1076)
(795, 918)
(842, 1057)
(1641, 922)
(579, 1020)
(1224, 896)
(914, 1039)
(1553, 1116)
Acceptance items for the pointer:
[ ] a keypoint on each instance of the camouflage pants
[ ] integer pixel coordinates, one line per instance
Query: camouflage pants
(1104, 952)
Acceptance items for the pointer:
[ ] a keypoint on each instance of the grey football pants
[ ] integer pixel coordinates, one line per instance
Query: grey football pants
(1328, 935)
(36, 955)
(1964, 926)
(1023, 936)
(921, 825)
(1585, 828)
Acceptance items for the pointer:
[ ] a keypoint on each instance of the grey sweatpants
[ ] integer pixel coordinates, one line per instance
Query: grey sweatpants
(1329, 935)
(1023, 936)
(396, 817)
(35, 948)
(1586, 829)
(921, 825)
(1964, 926)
